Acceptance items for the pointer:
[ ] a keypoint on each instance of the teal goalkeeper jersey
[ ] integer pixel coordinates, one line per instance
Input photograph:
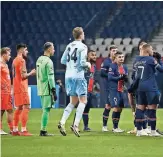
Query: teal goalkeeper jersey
(45, 75)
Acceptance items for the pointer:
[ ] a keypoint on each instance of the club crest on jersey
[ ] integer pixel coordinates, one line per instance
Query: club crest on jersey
(115, 100)
(110, 69)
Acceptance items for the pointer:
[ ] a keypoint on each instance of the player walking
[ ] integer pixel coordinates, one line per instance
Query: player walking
(75, 59)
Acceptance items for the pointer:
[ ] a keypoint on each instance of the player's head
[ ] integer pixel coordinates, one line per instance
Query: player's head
(6, 53)
(140, 46)
(113, 49)
(49, 48)
(119, 57)
(147, 50)
(22, 48)
(92, 56)
(78, 33)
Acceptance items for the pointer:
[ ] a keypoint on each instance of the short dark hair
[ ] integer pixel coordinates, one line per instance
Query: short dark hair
(89, 51)
(118, 53)
(19, 46)
(47, 45)
(4, 50)
(113, 47)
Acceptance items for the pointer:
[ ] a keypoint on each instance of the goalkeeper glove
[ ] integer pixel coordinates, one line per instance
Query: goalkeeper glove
(54, 94)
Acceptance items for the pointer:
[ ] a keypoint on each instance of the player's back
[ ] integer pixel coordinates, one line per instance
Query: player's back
(18, 66)
(145, 66)
(5, 79)
(42, 75)
(74, 58)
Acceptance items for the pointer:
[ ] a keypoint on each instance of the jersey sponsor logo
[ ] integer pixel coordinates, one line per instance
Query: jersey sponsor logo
(115, 101)
(110, 69)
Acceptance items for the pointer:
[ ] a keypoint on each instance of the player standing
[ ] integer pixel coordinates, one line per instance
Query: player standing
(6, 98)
(105, 85)
(117, 76)
(75, 59)
(147, 89)
(132, 93)
(46, 84)
(20, 86)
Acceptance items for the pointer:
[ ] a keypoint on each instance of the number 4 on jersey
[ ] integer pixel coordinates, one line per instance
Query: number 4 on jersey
(73, 55)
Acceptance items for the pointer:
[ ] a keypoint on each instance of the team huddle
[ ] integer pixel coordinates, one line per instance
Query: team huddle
(80, 84)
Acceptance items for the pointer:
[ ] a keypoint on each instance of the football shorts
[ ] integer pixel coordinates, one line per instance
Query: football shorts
(6, 102)
(116, 99)
(47, 101)
(148, 98)
(21, 99)
(76, 86)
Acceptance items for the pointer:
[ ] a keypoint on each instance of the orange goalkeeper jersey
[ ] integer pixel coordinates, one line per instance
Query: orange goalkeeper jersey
(20, 85)
(5, 79)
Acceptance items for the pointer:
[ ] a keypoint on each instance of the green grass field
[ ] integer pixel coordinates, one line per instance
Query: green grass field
(90, 144)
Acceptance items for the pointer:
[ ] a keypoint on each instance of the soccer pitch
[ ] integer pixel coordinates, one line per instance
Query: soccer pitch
(90, 144)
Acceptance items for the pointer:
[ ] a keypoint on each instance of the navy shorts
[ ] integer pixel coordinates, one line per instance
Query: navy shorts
(116, 99)
(148, 98)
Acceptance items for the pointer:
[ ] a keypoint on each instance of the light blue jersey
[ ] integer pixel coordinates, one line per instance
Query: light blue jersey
(75, 59)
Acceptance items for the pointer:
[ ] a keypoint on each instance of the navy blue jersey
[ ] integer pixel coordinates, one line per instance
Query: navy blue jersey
(114, 76)
(104, 73)
(105, 67)
(145, 70)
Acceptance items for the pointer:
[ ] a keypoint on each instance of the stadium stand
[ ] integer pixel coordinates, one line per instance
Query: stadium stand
(34, 23)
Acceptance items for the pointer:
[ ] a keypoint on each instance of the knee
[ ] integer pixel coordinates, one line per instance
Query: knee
(10, 111)
(26, 107)
(84, 101)
(140, 107)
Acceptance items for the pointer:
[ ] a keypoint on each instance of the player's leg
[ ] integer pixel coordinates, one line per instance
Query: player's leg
(6, 105)
(9, 115)
(79, 113)
(86, 113)
(115, 101)
(46, 102)
(71, 91)
(153, 100)
(69, 109)
(24, 114)
(146, 122)
(132, 102)
(139, 115)
(106, 112)
(1, 130)
(16, 119)
(81, 90)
